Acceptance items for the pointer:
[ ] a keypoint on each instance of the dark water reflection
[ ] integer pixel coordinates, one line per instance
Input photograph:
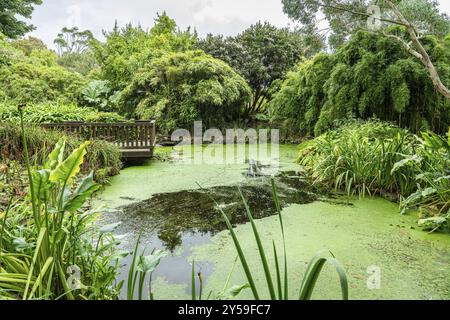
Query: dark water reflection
(178, 221)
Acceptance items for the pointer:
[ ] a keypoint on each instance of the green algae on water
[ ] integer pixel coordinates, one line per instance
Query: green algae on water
(366, 236)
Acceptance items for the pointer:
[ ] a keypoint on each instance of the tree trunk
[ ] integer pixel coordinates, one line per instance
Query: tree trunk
(421, 54)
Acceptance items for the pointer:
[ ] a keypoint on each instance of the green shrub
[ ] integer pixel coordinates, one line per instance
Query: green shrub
(50, 247)
(106, 117)
(54, 112)
(358, 158)
(179, 88)
(100, 154)
(371, 75)
(37, 77)
(376, 158)
(98, 94)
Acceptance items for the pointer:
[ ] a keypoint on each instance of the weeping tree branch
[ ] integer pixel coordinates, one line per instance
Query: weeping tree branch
(358, 13)
(420, 53)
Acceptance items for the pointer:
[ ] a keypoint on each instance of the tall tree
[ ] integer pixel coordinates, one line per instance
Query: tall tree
(412, 19)
(29, 44)
(261, 54)
(10, 13)
(127, 49)
(180, 87)
(72, 40)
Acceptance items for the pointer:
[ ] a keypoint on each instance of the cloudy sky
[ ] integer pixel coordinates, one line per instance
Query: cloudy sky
(227, 17)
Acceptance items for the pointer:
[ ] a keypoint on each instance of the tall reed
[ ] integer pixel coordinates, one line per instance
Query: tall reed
(278, 289)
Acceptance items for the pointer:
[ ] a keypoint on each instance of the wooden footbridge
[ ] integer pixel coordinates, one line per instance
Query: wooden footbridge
(136, 140)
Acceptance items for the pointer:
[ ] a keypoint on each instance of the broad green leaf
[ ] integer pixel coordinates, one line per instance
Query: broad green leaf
(84, 190)
(21, 244)
(41, 184)
(432, 223)
(407, 160)
(70, 167)
(149, 263)
(56, 156)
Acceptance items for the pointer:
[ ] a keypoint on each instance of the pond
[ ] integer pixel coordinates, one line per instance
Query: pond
(169, 199)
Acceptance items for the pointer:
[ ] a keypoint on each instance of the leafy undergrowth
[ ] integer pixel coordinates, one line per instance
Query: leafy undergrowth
(103, 158)
(375, 158)
(49, 246)
(55, 112)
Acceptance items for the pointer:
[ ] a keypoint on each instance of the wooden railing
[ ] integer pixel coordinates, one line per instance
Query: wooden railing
(138, 135)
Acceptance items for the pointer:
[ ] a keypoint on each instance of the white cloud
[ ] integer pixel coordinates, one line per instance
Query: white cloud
(228, 17)
(208, 16)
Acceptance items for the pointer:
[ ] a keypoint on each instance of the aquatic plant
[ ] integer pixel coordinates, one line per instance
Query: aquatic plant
(49, 246)
(358, 158)
(376, 158)
(430, 165)
(141, 266)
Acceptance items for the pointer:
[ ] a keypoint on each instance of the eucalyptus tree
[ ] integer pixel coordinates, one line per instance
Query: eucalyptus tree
(405, 21)
(73, 40)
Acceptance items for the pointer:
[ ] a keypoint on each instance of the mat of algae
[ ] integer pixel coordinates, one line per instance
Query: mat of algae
(162, 198)
(369, 235)
(178, 173)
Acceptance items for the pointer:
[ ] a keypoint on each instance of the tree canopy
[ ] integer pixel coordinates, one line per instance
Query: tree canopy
(261, 54)
(73, 40)
(34, 76)
(405, 21)
(181, 87)
(10, 13)
(129, 48)
(345, 17)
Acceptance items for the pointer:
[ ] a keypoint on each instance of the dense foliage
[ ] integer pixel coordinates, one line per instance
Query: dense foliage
(345, 17)
(261, 54)
(46, 240)
(34, 76)
(12, 13)
(370, 76)
(103, 158)
(180, 88)
(127, 49)
(375, 158)
(56, 113)
(75, 50)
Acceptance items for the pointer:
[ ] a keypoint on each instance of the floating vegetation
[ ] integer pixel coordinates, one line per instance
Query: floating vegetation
(172, 214)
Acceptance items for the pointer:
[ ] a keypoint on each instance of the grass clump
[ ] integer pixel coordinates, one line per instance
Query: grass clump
(103, 158)
(50, 247)
(375, 158)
